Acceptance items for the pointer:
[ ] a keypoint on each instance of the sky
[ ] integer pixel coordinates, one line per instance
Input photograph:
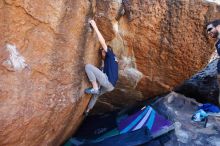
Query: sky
(215, 1)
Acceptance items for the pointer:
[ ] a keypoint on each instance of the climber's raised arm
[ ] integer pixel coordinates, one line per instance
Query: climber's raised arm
(100, 37)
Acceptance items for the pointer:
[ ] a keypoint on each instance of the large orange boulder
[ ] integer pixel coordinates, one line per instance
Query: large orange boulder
(161, 46)
(45, 45)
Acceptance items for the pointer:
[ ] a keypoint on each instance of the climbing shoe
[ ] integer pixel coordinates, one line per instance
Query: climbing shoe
(92, 91)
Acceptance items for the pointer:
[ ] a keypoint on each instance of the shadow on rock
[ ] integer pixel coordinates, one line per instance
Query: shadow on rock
(202, 86)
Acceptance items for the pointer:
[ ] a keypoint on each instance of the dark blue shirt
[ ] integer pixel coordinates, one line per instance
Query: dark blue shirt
(111, 67)
(217, 45)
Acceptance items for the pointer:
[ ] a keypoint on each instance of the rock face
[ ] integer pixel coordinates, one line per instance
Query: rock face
(165, 42)
(43, 103)
(203, 85)
(180, 109)
(45, 45)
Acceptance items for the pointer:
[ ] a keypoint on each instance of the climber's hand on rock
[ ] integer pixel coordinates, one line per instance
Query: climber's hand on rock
(92, 22)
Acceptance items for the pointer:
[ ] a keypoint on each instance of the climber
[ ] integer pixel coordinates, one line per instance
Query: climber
(125, 9)
(213, 30)
(102, 80)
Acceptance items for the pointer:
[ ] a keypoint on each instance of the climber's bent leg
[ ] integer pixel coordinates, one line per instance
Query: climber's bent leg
(94, 75)
(91, 104)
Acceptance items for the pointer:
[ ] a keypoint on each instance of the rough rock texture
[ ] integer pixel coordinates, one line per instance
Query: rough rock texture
(42, 104)
(165, 43)
(180, 109)
(203, 85)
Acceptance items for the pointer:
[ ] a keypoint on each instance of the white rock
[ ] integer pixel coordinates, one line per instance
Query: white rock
(15, 62)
